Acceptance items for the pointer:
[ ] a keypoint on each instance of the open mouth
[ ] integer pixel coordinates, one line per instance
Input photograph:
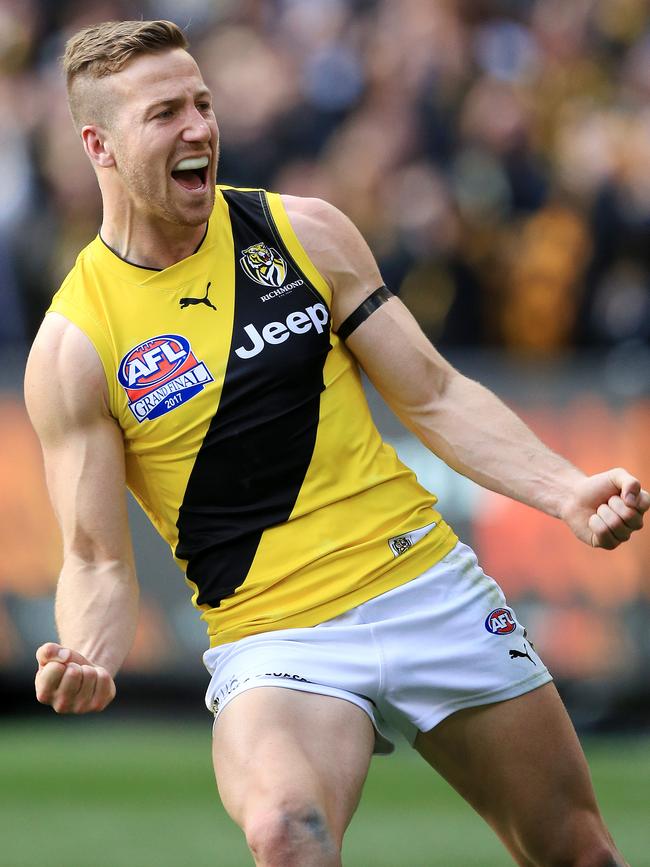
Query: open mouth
(191, 173)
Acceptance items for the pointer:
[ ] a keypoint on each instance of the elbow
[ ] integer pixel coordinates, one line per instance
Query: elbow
(98, 563)
(439, 400)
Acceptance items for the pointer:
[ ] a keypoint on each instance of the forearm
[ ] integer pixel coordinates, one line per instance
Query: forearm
(97, 609)
(475, 433)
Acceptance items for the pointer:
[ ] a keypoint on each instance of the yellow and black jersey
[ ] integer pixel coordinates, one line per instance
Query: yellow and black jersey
(248, 440)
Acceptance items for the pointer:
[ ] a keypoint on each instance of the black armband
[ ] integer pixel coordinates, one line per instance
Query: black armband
(373, 302)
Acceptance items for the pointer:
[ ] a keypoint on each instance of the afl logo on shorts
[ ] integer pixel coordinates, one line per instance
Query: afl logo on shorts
(161, 374)
(500, 622)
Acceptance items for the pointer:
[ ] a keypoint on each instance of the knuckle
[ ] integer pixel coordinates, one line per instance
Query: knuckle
(80, 707)
(605, 539)
(46, 649)
(104, 679)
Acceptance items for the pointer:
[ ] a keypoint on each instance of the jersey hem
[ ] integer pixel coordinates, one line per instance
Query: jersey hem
(394, 576)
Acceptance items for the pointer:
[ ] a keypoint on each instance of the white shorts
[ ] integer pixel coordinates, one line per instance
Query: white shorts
(409, 658)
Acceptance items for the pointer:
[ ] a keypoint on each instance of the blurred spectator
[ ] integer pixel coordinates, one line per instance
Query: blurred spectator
(494, 154)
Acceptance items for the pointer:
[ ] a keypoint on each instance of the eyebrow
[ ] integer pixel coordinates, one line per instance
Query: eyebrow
(174, 100)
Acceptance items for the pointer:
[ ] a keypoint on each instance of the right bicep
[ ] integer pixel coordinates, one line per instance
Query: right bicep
(65, 394)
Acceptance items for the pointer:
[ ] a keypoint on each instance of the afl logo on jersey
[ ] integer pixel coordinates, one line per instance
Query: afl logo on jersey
(160, 374)
(264, 265)
(500, 622)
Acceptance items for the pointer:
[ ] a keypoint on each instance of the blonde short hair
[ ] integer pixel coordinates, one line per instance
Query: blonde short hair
(104, 49)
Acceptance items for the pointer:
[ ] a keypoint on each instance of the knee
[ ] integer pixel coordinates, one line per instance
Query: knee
(599, 854)
(596, 855)
(291, 834)
(587, 844)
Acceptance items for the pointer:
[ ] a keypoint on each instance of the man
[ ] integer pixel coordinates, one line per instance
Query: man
(200, 351)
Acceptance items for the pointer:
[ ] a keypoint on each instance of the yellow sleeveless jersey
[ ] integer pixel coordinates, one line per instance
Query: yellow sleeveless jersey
(248, 439)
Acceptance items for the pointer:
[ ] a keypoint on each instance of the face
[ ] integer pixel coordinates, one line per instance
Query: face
(164, 139)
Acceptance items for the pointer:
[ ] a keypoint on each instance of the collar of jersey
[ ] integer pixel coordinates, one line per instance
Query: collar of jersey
(107, 259)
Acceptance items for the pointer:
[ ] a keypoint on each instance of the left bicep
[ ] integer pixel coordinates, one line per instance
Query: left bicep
(401, 362)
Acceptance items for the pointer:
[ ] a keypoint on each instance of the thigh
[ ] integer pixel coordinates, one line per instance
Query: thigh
(274, 748)
(520, 765)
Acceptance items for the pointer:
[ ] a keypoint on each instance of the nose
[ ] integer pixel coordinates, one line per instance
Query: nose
(197, 129)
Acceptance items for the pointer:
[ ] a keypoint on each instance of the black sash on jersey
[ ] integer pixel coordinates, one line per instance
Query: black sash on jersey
(251, 465)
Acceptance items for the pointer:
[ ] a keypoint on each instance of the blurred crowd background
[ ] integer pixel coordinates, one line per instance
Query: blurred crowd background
(496, 156)
(493, 152)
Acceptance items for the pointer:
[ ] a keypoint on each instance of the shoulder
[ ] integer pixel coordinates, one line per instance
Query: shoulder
(63, 345)
(336, 247)
(319, 223)
(64, 377)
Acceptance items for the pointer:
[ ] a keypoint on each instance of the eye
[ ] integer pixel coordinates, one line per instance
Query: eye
(204, 106)
(164, 115)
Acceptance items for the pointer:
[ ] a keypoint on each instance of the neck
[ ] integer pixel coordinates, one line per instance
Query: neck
(152, 247)
(148, 242)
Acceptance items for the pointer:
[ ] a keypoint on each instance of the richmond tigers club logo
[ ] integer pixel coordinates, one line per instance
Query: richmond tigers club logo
(264, 265)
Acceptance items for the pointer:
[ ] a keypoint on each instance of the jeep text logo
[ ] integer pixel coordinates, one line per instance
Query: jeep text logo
(277, 332)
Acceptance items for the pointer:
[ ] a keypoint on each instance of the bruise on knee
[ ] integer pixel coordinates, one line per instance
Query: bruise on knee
(314, 822)
(309, 828)
(290, 832)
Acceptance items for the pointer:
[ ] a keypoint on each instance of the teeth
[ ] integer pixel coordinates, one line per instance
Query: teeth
(191, 163)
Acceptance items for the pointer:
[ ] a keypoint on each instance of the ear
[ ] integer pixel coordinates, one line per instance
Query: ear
(97, 146)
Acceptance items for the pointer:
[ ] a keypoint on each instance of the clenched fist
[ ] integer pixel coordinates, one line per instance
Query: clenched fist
(69, 682)
(605, 509)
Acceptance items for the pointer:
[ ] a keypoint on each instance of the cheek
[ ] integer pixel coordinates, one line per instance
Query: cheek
(140, 166)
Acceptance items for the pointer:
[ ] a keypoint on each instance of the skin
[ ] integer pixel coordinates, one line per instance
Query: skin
(290, 766)
(282, 754)
(164, 114)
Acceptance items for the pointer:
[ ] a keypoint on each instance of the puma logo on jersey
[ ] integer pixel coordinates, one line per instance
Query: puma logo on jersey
(186, 302)
(273, 333)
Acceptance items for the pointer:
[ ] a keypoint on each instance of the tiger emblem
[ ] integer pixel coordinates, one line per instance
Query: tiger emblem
(264, 265)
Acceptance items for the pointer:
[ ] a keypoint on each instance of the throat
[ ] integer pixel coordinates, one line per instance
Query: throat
(152, 250)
